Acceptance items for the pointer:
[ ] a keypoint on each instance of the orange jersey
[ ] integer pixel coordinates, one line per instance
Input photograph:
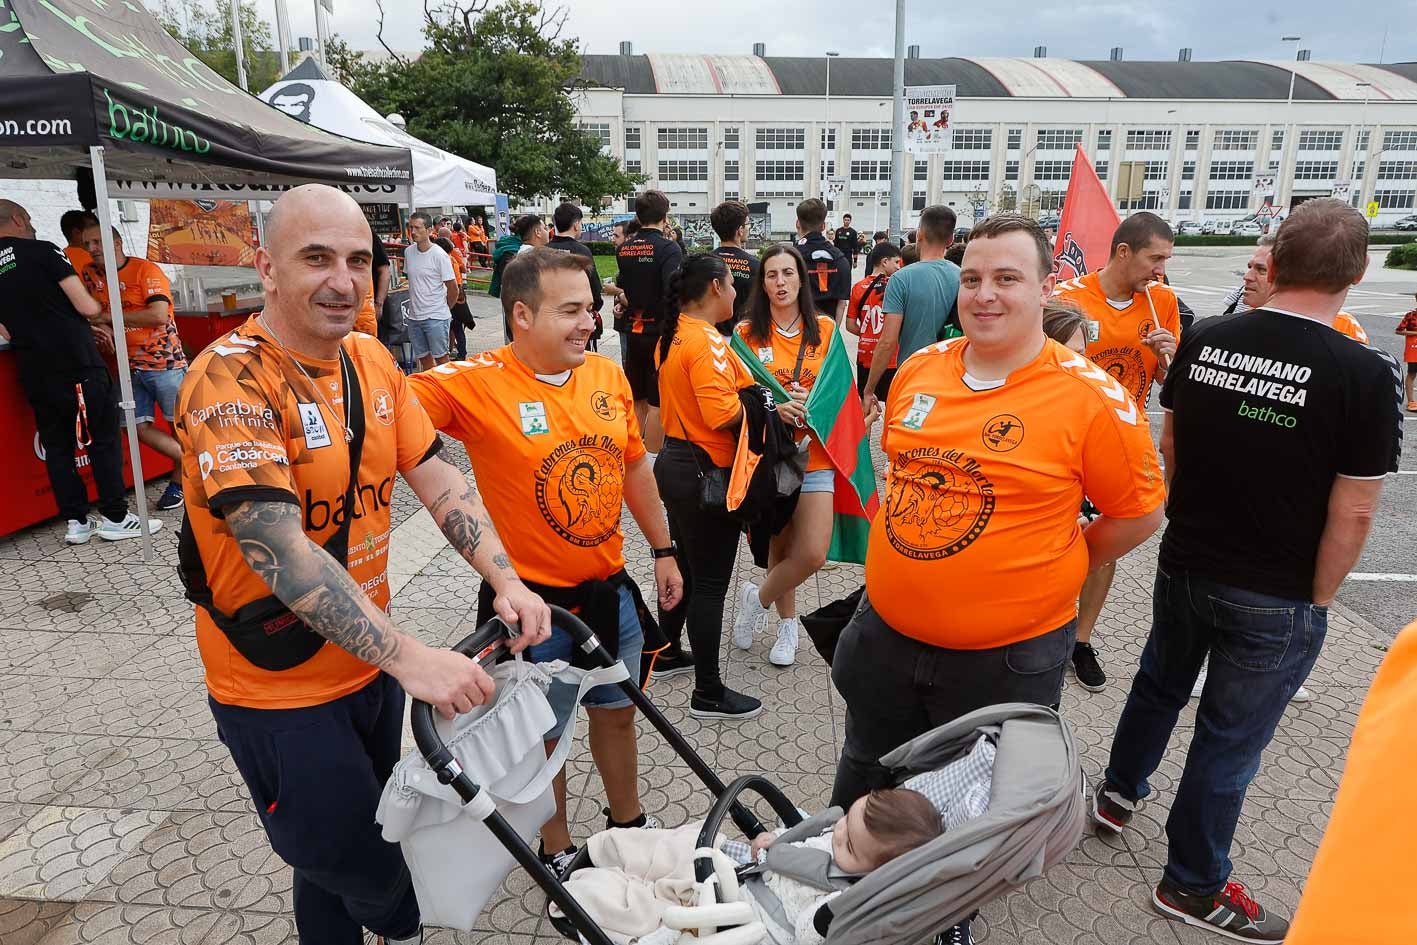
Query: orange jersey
(779, 355)
(252, 426)
(367, 320)
(550, 460)
(698, 389)
(140, 283)
(1367, 846)
(984, 489)
(79, 258)
(865, 306)
(1348, 325)
(1409, 323)
(1115, 337)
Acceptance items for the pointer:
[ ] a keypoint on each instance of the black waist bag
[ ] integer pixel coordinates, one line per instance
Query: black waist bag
(265, 631)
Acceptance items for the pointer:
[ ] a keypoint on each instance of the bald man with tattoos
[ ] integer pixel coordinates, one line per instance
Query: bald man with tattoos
(292, 431)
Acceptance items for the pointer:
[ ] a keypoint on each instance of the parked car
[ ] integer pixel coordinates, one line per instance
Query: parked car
(1049, 222)
(1406, 223)
(1190, 228)
(1246, 228)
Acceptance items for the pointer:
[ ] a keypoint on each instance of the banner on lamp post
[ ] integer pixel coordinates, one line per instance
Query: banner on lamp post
(928, 112)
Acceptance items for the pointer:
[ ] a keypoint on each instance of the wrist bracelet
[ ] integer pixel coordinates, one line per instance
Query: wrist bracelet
(669, 552)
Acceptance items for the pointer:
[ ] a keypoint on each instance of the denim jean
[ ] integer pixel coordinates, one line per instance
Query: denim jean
(1261, 649)
(897, 688)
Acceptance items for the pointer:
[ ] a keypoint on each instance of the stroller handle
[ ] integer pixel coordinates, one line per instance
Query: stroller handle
(481, 646)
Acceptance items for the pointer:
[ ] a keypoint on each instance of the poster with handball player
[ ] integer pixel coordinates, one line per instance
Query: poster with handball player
(928, 112)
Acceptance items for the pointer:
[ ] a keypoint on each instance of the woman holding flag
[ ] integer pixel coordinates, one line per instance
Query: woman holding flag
(793, 351)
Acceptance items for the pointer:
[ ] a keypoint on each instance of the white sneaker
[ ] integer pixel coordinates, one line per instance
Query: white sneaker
(1302, 694)
(79, 533)
(1200, 682)
(750, 611)
(784, 651)
(130, 527)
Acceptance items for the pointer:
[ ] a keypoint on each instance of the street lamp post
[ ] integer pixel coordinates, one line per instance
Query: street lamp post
(826, 127)
(1362, 130)
(1288, 107)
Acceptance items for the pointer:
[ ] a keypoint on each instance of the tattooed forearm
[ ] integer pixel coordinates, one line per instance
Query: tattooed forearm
(463, 532)
(312, 584)
(460, 514)
(502, 561)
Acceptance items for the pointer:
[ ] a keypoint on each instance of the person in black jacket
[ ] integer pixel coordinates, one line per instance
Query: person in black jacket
(647, 260)
(828, 268)
(847, 239)
(730, 221)
(567, 222)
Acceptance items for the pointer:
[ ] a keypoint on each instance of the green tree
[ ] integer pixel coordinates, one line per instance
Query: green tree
(496, 86)
(206, 32)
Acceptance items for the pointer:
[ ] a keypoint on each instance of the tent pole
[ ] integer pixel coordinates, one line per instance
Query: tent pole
(120, 345)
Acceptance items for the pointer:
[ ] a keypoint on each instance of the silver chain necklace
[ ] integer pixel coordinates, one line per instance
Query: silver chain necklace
(348, 433)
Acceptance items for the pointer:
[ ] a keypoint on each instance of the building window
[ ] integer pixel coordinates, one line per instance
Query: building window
(730, 138)
(1360, 167)
(1051, 199)
(1104, 139)
(790, 195)
(922, 170)
(1233, 140)
(689, 139)
(1232, 170)
(1183, 201)
(632, 138)
(1157, 170)
(1227, 200)
(1149, 140)
(1395, 199)
(1364, 137)
(917, 201)
(1193, 139)
(828, 169)
(1101, 168)
(1320, 141)
(1148, 201)
(600, 129)
(1400, 141)
(955, 171)
(684, 171)
(870, 139)
(1058, 139)
(973, 139)
(870, 170)
(1052, 170)
(1315, 170)
(1188, 170)
(1397, 170)
(780, 139)
(1276, 140)
(1011, 170)
(1015, 138)
(779, 170)
(828, 139)
(730, 170)
(634, 167)
(1274, 165)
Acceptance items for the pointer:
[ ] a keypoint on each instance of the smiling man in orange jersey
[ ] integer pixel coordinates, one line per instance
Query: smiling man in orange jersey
(556, 449)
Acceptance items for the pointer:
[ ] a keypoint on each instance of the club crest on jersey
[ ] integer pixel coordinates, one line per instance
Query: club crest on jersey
(1069, 262)
(1002, 433)
(1146, 327)
(533, 417)
(602, 405)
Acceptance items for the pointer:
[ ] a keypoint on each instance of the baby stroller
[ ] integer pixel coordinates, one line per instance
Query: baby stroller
(442, 816)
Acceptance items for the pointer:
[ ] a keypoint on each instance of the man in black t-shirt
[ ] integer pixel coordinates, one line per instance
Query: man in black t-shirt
(847, 240)
(1277, 435)
(46, 310)
(567, 222)
(828, 268)
(878, 238)
(730, 221)
(647, 260)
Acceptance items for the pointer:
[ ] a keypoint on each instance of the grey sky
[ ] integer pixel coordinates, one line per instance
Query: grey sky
(1084, 29)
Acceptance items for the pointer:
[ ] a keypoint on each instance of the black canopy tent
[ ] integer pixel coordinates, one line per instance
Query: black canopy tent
(98, 87)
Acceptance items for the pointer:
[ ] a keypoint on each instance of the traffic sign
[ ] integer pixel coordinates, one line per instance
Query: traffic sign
(1372, 210)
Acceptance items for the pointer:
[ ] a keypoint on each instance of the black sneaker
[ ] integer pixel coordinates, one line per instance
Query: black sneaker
(956, 935)
(672, 662)
(1110, 809)
(171, 497)
(644, 821)
(729, 705)
(556, 862)
(1232, 912)
(1087, 668)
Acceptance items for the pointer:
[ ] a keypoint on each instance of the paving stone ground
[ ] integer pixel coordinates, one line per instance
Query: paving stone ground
(123, 821)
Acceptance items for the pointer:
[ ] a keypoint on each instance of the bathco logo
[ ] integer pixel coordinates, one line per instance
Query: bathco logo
(146, 126)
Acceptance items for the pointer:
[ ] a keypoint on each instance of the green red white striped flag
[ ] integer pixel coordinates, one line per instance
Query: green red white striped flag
(834, 416)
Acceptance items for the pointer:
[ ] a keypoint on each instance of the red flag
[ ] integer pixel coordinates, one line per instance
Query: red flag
(1088, 221)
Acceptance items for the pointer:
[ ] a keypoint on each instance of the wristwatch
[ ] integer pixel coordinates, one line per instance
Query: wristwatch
(669, 552)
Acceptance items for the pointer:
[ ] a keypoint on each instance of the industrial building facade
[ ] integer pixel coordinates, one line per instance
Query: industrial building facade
(704, 128)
